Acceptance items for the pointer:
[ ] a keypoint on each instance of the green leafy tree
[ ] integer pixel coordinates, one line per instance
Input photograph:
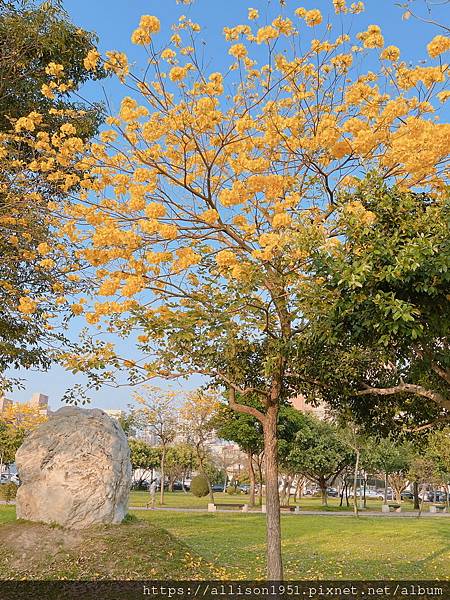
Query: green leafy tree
(144, 458)
(246, 431)
(384, 312)
(180, 461)
(393, 459)
(318, 452)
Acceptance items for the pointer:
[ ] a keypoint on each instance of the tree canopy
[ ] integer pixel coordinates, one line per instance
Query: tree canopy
(37, 263)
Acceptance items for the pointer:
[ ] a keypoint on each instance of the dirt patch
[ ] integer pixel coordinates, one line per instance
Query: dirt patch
(133, 550)
(23, 543)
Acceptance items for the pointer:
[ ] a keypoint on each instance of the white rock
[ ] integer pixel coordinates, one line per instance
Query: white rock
(75, 470)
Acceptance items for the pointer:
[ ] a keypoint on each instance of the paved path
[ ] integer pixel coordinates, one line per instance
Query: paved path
(363, 513)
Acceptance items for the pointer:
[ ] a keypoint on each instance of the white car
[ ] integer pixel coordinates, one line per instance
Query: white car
(369, 494)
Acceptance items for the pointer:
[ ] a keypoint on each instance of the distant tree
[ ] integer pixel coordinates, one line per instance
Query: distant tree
(198, 415)
(128, 422)
(16, 422)
(318, 452)
(144, 458)
(393, 459)
(156, 413)
(180, 460)
(438, 451)
(246, 431)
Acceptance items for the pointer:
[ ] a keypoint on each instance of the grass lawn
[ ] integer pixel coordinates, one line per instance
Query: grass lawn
(317, 546)
(194, 546)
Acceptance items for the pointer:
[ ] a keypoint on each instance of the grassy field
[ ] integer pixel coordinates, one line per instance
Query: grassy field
(182, 500)
(193, 545)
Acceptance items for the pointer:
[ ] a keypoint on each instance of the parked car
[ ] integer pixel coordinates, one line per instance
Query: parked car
(7, 478)
(332, 492)
(178, 486)
(217, 487)
(369, 494)
(244, 488)
(437, 496)
(407, 495)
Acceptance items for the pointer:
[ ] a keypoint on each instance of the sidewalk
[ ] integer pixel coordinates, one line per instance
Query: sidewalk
(362, 513)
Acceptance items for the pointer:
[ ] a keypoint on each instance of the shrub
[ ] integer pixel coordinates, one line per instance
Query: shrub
(199, 486)
(232, 490)
(8, 491)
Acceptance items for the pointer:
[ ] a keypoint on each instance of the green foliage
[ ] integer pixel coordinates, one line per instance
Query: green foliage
(144, 456)
(8, 491)
(438, 452)
(391, 456)
(31, 37)
(179, 461)
(199, 486)
(241, 428)
(11, 438)
(381, 315)
(318, 451)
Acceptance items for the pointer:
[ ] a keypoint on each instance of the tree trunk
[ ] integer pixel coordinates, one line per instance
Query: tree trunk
(416, 496)
(422, 500)
(260, 492)
(355, 483)
(365, 485)
(323, 489)
(161, 476)
(251, 472)
(274, 560)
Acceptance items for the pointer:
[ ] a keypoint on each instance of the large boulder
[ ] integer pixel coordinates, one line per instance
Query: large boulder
(75, 470)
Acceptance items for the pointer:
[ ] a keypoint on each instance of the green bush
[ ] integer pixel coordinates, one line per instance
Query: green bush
(232, 490)
(199, 486)
(8, 491)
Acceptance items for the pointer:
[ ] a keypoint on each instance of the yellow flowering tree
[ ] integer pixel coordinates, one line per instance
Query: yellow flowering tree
(41, 63)
(202, 202)
(16, 421)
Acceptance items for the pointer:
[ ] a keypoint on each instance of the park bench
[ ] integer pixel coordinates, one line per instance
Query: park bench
(215, 506)
(287, 508)
(391, 506)
(435, 508)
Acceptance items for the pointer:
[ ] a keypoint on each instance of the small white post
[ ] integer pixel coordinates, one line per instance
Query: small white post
(212, 507)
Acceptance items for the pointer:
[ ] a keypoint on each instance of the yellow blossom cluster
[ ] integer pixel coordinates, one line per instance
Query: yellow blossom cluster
(148, 25)
(438, 45)
(312, 17)
(372, 38)
(27, 305)
(91, 60)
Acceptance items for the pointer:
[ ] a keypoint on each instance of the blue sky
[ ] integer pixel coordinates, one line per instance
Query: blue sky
(114, 21)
